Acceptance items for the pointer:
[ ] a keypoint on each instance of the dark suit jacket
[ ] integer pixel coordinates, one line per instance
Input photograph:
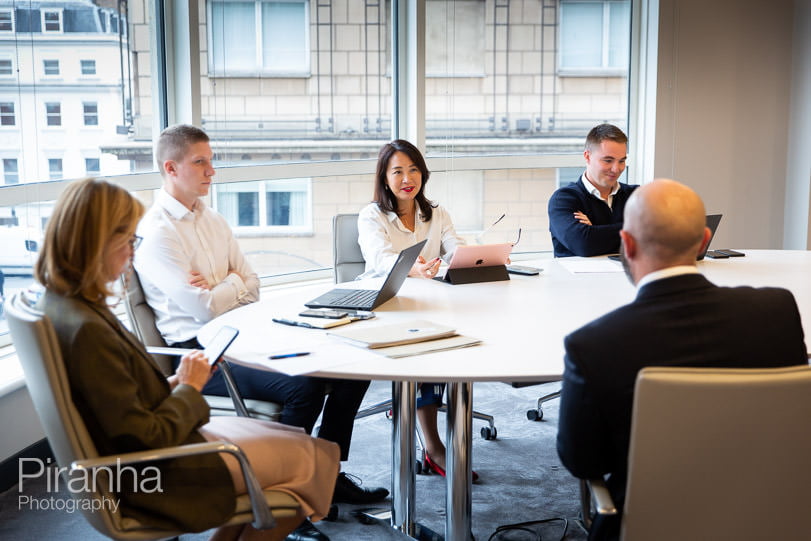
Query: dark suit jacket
(679, 321)
(127, 405)
(570, 237)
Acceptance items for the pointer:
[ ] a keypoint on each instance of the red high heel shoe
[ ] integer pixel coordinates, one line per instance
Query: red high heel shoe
(436, 468)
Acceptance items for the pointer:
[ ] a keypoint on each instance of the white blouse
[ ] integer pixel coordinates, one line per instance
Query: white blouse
(382, 236)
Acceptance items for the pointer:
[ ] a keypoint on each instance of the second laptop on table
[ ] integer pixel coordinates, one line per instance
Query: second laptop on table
(369, 299)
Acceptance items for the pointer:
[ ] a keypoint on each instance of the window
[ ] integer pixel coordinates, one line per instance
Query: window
(88, 67)
(594, 36)
(6, 66)
(54, 168)
(53, 114)
(282, 203)
(92, 166)
(10, 173)
(91, 113)
(7, 117)
(258, 37)
(51, 20)
(51, 67)
(6, 20)
(455, 37)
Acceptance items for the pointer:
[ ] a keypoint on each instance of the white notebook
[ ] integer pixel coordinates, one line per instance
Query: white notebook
(395, 334)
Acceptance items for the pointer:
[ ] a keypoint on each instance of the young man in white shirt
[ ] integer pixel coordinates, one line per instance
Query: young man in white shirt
(192, 270)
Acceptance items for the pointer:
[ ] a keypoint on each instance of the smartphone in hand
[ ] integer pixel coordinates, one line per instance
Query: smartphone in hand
(220, 343)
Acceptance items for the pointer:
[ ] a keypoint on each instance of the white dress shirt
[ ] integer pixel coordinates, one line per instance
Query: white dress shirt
(382, 236)
(177, 241)
(596, 193)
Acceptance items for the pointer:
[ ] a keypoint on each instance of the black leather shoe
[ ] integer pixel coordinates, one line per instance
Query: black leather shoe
(348, 491)
(306, 532)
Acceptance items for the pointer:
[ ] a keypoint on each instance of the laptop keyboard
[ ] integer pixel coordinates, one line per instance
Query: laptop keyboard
(360, 297)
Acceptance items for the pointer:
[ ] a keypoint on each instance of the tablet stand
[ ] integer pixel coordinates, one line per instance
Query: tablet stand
(472, 275)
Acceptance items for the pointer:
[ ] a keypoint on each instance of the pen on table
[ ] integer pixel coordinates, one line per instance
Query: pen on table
(288, 355)
(293, 323)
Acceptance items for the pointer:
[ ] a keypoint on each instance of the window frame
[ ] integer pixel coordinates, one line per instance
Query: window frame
(89, 62)
(16, 172)
(12, 20)
(10, 73)
(258, 69)
(59, 12)
(12, 115)
(49, 115)
(604, 69)
(54, 173)
(51, 63)
(94, 115)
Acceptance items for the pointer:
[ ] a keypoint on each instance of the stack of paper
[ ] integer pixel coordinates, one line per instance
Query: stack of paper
(404, 339)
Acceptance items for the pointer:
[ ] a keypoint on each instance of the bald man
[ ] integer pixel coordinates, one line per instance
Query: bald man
(679, 318)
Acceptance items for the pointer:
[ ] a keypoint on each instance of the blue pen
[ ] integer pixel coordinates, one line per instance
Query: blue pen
(289, 355)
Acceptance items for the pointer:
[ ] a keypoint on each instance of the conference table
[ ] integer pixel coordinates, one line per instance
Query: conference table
(521, 323)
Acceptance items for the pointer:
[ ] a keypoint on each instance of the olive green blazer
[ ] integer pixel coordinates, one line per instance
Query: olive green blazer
(127, 405)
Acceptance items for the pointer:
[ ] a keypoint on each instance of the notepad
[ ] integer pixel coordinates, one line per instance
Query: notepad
(430, 346)
(406, 332)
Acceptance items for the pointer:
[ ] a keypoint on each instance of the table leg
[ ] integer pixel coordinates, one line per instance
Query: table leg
(458, 503)
(403, 458)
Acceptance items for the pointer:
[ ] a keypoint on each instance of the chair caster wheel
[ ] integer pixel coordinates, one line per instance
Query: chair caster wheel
(535, 415)
(488, 433)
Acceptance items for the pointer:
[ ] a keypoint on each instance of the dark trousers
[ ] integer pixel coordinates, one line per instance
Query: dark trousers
(302, 398)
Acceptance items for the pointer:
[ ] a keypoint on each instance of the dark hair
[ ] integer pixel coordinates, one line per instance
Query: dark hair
(603, 132)
(382, 196)
(174, 142)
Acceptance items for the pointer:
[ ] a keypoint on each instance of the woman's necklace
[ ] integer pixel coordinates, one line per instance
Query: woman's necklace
(408, 220)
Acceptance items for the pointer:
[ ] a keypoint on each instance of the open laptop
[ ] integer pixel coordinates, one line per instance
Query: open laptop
(480, 255)
(369, 299)
(712, 222)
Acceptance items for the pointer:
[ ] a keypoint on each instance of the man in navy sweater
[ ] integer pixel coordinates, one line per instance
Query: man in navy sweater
(585, 217)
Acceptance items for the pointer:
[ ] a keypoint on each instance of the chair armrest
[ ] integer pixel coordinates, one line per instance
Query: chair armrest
(263, 518)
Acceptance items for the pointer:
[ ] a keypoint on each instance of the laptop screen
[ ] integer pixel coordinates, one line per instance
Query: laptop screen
(712, 222)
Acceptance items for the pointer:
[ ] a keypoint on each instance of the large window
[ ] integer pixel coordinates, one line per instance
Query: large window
(267, 204)
(594, 36)
(272, 38)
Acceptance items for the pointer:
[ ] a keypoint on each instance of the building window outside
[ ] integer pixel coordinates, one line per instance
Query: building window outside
(92, 166)
(88, 67)
(51, 20)
(53, 114)
(55, 168)
(277, 203)
(91, 113)
(594, 35)
(6, 67)
(10, 173)
(51, 67)
(6, 20)
(7, 116)
(258, 37)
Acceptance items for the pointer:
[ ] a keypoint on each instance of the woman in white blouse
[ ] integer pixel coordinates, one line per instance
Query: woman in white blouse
(400, 216)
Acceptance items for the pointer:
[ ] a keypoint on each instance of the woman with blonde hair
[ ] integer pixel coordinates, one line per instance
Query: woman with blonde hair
(127, 403)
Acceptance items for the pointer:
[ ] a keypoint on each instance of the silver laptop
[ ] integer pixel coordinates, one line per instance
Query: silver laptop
(369, 299)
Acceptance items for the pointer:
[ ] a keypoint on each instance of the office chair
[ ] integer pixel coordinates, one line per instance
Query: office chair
(47, 381)
(142, 320)
(719, 454)
(348, 264)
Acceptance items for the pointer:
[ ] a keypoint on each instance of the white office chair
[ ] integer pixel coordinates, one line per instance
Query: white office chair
(47, 382)
(719, 454)
(348, 264)
(142, 320)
